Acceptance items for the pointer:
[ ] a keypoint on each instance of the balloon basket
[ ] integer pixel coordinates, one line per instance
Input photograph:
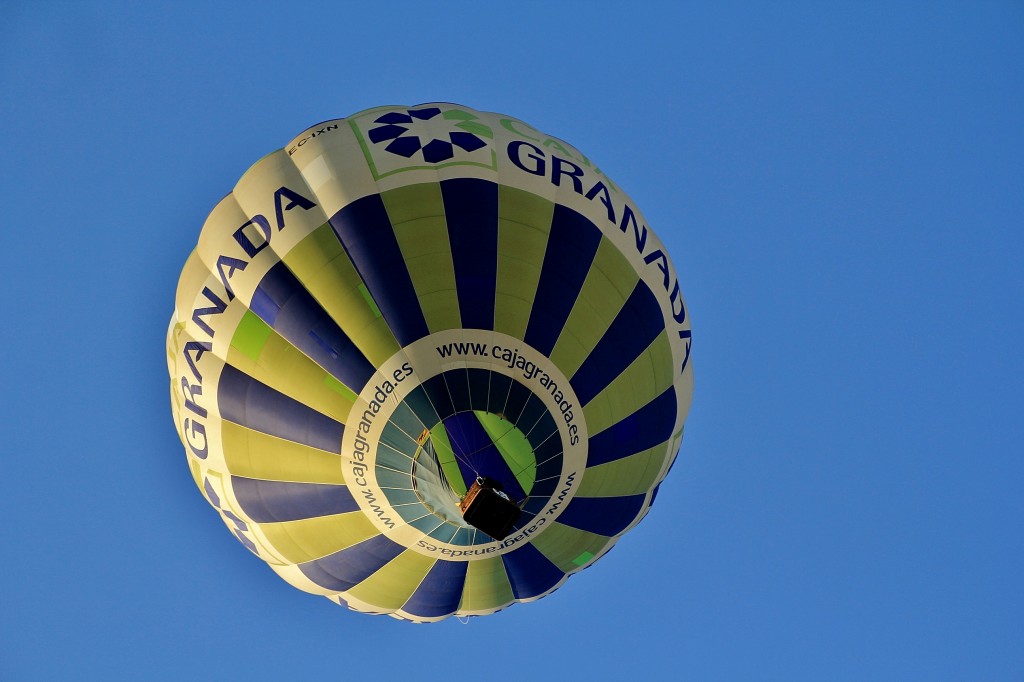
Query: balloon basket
(487, 508)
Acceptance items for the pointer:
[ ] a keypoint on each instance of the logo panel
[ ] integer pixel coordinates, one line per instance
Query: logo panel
(423, 137)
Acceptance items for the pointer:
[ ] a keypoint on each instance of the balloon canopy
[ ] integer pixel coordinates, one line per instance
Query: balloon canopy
(428, 361)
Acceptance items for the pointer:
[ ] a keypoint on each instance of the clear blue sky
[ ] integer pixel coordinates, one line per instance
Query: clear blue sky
(841, 186)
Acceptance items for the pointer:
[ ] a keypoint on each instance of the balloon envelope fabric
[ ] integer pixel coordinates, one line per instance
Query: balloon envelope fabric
(405, 301)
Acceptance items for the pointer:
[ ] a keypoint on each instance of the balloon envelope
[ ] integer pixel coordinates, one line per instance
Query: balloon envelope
(399, 304)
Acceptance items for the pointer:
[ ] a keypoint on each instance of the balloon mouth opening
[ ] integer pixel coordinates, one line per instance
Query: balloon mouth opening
(464, 449)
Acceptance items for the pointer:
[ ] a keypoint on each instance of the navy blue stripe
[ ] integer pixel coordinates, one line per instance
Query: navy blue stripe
(282, 302)
(369, 240)
(606, 516)
(345, 569)
(440, 592)
(471, 210)
(649, 426)
(462, 444)
(529, 572)
(466, 435)
(571, 248)
(631, 332)
(270, 501)
(249, 403)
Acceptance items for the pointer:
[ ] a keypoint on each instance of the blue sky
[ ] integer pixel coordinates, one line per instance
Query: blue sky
(840, 186)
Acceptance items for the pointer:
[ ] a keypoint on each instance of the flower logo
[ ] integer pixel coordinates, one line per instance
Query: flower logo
(429, 130)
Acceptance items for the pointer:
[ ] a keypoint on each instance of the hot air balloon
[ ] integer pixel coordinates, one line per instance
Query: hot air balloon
(428, 361)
